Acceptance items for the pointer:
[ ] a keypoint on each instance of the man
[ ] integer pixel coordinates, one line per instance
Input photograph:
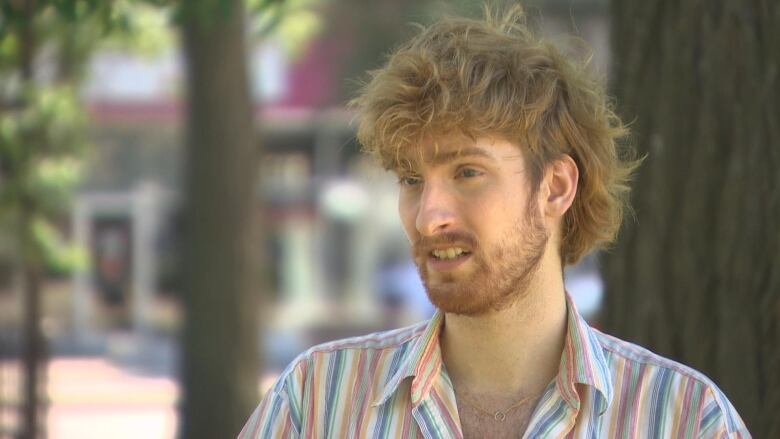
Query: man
(509, 168)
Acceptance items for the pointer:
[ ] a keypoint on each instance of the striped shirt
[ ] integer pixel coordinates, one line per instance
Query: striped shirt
(393, 385)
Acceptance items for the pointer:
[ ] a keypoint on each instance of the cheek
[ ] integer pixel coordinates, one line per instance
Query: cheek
(408, 215)
(492, 215)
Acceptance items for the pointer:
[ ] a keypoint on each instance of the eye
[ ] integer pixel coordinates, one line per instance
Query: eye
(409, 180)
(466, 172)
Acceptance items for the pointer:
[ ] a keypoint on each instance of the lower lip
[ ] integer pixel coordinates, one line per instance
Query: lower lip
(447, 264)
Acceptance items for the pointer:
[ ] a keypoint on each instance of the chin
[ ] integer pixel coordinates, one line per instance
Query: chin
(463, 300)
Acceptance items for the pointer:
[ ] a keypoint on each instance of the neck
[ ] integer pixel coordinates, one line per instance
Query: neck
(512, 352)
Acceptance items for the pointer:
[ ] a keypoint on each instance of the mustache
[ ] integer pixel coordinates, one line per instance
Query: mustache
(426, 244)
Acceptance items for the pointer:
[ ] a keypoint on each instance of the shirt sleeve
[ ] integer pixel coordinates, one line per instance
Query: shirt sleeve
(719, 419)
(270, 420)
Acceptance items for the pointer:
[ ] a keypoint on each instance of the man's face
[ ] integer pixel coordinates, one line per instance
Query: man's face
(474, 224)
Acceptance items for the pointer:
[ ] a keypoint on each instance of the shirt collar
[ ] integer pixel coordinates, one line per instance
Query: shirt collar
(582, 362)
(423, 363)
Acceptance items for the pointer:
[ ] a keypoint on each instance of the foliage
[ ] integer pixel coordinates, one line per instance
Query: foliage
(291, 22)
(146, 28)
(60, 257)
(44, 52)
(39, 149)
(41, 145)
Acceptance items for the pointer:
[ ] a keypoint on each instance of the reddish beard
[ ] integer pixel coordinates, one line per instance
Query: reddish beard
(497, 278)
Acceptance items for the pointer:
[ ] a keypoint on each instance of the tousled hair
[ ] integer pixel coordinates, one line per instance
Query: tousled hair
(495, 78)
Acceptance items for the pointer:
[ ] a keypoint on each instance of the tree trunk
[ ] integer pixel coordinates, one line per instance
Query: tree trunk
(33, 359)
(697, 276)
(220, 358)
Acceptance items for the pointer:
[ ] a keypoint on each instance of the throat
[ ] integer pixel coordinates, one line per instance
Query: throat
(505, 354)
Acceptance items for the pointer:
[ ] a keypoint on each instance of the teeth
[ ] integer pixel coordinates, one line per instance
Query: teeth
(450, 253)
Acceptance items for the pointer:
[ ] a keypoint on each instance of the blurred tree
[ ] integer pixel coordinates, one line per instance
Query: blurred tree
(293, 23)
(698, 278)
(44, 48)
(369, 30)
(40, 130)
(220, 346)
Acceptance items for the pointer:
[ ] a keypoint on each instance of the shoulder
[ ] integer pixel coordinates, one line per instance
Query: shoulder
(392, 340)
(669, 387)
(375, 341)
(620, 350)
(330, 381)
(343, 357)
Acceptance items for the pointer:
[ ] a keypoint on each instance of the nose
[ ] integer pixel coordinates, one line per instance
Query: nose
(436, 212)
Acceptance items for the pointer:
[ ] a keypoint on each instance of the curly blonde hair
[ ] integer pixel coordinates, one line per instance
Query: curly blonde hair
(494, 77)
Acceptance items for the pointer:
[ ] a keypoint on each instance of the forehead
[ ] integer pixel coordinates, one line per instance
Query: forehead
(442, 151)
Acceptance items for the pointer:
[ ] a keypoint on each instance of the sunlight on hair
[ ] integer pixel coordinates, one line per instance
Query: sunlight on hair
(495, 78)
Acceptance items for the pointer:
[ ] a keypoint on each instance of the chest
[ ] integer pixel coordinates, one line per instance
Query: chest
(478, 424)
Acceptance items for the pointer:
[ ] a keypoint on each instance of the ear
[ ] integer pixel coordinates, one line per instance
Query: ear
(559, 186)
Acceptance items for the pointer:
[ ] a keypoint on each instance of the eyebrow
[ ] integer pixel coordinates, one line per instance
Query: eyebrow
(471, 151)
(445, 157)
(404, 163)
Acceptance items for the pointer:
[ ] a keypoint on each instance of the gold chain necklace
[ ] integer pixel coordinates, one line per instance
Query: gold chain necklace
(498, 415)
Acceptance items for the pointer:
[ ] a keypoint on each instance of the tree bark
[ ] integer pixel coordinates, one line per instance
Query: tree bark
(34, 358)
(697, 276)
(34, 362)
(220, 358)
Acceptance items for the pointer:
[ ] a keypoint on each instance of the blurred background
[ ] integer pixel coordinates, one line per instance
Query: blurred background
(160, 233)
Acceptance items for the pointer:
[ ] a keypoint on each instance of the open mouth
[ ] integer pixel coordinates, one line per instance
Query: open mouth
(448, 254)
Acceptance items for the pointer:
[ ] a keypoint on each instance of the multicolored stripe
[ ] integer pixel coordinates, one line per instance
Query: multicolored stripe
(393, 385)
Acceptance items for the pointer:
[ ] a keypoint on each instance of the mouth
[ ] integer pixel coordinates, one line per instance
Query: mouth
(449, 253)
(449, 258)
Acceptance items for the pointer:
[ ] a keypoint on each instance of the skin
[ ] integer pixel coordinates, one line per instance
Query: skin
(504, 301)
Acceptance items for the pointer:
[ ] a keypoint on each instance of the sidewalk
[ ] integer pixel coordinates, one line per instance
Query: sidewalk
(90, 397)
